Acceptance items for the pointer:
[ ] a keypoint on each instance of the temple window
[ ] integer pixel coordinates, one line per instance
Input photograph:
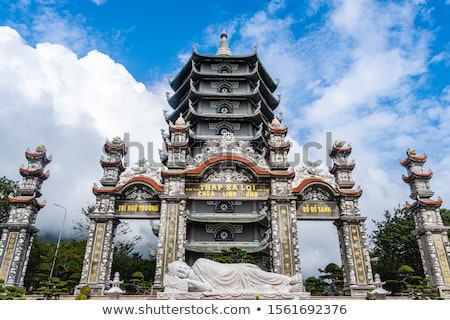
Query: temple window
(224, 89)
(223, 68)
(224, 108)
(224, 234)
(224, 207)
(223, 130)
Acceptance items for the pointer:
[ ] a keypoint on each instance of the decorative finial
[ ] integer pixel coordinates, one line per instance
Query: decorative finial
(41, 149)
(117, 140)
(275, 123)
(180, 121)
(224, 49)
(411, 151)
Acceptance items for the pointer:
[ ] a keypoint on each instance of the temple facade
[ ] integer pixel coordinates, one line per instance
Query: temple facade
(225, 181)
(18, 231)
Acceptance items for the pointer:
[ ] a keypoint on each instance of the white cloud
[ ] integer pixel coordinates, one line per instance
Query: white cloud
(44, 22)
(99, 2)
(275, 5)
(358, 75)
(71, 105)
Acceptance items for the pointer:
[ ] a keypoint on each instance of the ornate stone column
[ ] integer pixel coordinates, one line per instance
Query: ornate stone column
(172, 232)
(19, 230)
(283, 221)
(431, 234)
(358, 278)
(99, 255)
(171, 237)
(98, 258)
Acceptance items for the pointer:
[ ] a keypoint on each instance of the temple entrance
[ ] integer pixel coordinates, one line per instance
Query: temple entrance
(225, 181)
(318, 246)
(199, 219)
(145, 230)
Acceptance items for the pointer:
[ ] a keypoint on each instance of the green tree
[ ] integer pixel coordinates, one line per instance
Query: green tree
(85, 293)
(7, 187)
(131, 265)
(407, 283)
(10, 292)
(67, 270)
(393, 244)
(53, 288)
(333, 275)
(445, 215)
(316, 286)
(137, 285)
(234, 255)
(39, 264)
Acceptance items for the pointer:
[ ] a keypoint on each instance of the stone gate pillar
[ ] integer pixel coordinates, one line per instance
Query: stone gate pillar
(284, 239)
(98, 258)
(283, 221)
(431, 234)
(358, 278)
(172, 232)
(171, 238)
(99, 255)
(19, 229)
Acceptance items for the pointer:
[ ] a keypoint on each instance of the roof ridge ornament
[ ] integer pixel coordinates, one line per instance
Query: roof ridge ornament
(180, 121)
(224, 49)
(275, 122)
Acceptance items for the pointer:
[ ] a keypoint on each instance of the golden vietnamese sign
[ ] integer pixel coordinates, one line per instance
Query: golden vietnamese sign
(317, 210)
(227, 190)
(136, 208)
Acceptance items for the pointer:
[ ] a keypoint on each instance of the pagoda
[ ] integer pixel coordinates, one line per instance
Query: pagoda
(216, 152)
(225, 181)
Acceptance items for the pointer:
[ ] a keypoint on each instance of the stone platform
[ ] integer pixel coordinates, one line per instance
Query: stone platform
(233, 296)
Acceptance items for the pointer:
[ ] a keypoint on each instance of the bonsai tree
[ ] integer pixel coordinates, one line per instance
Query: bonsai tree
(10, 292)
(85, 293)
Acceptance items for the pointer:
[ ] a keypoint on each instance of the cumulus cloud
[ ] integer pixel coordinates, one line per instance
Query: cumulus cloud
(358, 76)
(71, 105)
(99, 2)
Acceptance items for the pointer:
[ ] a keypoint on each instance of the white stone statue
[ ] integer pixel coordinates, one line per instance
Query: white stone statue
(212, 277)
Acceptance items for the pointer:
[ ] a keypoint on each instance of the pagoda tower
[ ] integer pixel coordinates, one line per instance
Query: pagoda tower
(225, 181)
(228, 182)
(431, 234)
(19, 229)
(223, 153)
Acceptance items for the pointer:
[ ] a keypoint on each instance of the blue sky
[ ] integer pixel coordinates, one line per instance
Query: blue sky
(372, 73)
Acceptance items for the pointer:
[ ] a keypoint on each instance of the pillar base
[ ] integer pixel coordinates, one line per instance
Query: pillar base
(444, 292)
(358, 290)
(96, 289)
